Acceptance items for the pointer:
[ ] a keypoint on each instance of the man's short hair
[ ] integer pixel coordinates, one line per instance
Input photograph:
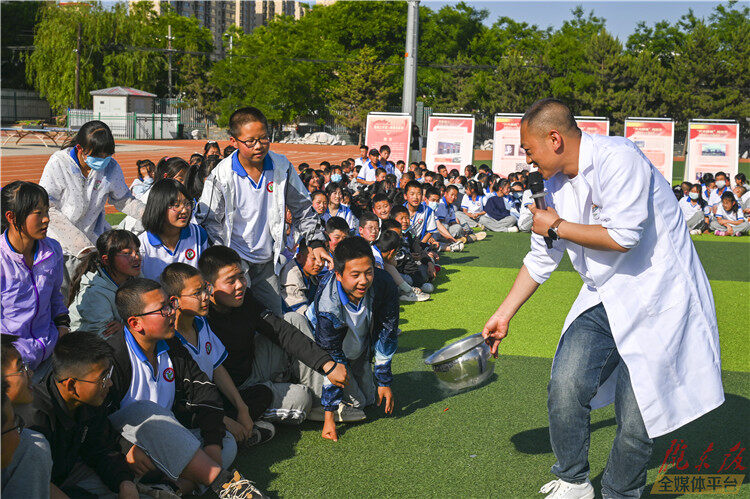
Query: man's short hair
(431, 191)
(380, 196)
(174, 275)
(398, 208)
(128, 297)
(412, 184)
(337, 223)
(388, 224)
(550, 114)
(367, 216)
(452, 187)
(8, 350)
(215, 258)
(373, 152)
(351, 248)
(363, 146)
(388, 240)
(75, 354)
(385, 148)
(244, 115)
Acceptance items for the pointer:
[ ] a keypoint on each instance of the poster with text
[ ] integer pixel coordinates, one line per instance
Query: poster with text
(507, 154)
(712, 147)
(593, 125)
(450, 142)
(655, 138)
(393, 130)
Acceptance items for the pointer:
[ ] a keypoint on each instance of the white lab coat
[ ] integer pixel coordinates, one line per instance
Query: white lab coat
(657, 296)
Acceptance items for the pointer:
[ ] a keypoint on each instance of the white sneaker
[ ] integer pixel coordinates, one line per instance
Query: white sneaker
(421, 295)
(409, 297)
(480, 235)
(695, 232)
(513, 229)
(428, 288)
(456, 247)
(560, 489)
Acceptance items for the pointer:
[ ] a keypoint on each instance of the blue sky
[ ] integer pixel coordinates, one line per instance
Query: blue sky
(621, 16)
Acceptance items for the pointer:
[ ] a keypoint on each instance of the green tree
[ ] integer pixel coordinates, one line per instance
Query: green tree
(18, 19)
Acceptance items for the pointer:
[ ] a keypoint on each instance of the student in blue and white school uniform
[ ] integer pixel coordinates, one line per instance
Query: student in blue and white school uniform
(80, 179)
(244, 202)
(423, 223)
(388, 166)
(695, 210)
(366, 175)
(169, 235)
(472, 205)
(722, 186)
(336, 208)
(145, 178)
(730, 220)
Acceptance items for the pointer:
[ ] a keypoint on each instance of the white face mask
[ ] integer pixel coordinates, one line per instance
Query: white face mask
(693, 195)
(720, 184)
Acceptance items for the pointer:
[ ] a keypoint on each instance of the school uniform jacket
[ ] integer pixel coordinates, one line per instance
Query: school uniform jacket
(197, 402)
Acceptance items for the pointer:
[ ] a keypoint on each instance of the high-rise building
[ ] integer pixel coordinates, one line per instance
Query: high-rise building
(219, 15)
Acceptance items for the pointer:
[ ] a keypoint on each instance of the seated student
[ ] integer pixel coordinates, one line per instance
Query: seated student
(695, 210)
(337, 230)
(265, 349)
(319, 202)
(369, 226)
(730, 220)
(446, 214)
(385, 153)
(26, 457)
(145, 178)
(67, 410)
(299, 280)
(497, 217)
(525, 217)
(190, 292)
(336, 206)
(411, 289)
(228, 151)
(169, 235)
(414, 272)
(722, 185)
(196, 159)
(210, 148)
(93, 288)
(158, 414)
(31, 274)
(741, 193)
(423, 223)
(472, 205)
(356, 315)
(443, 234)
(381, 206)
(380, 174)
(399, 170)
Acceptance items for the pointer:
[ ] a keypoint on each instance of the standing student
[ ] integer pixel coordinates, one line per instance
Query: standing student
(366, 175)
(385, 153)
(80, 179)
(730, 220)
(695, 210)
(336, 206)
(31, 275)
(92, 292)
(145, 178)
(472, 205)
(169, 235)
(360, 161)
(244, 203)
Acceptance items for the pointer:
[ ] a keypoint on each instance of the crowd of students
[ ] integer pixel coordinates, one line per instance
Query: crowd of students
(239, 292)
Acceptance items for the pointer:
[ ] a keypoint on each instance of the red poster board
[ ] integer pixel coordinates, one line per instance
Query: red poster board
(655, 138)
(712, 146)
(450, 141)
(593, 125)
(391, 129)
(507, 154)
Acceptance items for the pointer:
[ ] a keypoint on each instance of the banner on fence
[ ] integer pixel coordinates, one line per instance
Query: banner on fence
(450, 141)
(593, 125)
(391, 129)
(655, 137)
(712, 146)
(507, 154)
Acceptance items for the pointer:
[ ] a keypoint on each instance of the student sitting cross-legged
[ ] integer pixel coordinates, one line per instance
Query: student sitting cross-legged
(498, 217)
(355, 315)
(159, 391)
(265, 349)
(190, 292)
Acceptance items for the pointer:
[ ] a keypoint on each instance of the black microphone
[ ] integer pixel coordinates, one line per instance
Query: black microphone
(536, 186)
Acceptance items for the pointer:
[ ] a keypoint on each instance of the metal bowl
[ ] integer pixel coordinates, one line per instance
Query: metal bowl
(463, 364)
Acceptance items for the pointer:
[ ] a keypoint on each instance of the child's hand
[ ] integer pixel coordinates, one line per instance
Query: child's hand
(329, 427)
(339, 376)
(385, 393)
(238, 431)
(243, 418)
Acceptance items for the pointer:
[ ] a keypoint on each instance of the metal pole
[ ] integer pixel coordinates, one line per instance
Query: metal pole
(169, 55)
(78, 66)
(410, 60)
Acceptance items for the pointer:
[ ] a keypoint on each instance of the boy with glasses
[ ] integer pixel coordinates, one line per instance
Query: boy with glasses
(244, 202)
(190, 293)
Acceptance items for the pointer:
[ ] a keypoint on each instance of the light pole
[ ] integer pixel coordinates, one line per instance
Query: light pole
(409, 99)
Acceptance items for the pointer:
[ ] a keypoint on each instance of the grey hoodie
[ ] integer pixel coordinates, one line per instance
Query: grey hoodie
(94, 305)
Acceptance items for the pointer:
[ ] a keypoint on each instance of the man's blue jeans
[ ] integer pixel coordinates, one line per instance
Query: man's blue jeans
(585, 358)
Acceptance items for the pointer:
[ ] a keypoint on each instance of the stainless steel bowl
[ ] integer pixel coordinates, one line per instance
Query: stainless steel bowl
(463, 364)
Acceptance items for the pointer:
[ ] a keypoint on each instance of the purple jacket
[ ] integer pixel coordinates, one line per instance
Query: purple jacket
(31, 299)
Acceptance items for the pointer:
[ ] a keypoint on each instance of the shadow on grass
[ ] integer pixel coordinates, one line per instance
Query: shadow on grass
(429, 339)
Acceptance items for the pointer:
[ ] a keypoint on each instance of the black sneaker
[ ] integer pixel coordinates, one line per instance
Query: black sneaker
(263, 431)
(237, 486)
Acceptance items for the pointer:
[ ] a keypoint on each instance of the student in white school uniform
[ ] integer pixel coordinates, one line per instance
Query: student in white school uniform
(244, 202)
(366, 175)
(722, 186)
(645, 307)
(169, 235)
(362, 156)
(336, 208)
(472, 205)
(80, 179)
(695, 210)
(730, 220)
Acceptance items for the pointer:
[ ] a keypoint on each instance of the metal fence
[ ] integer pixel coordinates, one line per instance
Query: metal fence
(18, 105)
(132, 125)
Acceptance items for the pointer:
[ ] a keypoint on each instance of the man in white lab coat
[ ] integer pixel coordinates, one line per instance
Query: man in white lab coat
(642, 332)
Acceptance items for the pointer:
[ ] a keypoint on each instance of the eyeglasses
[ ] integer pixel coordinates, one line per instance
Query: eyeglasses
(102, 382)
(250, 143)
(206, 291)
(24, 370)
(179, 206)
(165, 311)
(17, 426)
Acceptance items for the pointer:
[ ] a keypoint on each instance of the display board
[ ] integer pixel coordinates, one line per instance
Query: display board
(712, 146)
(507, 154)
(450, 141)
(593, 125)
(391, 129)
(655, 137)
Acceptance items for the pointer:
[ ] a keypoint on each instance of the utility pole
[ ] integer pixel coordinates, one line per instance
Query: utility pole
(78, 68)
(409, 99)
(169, 57)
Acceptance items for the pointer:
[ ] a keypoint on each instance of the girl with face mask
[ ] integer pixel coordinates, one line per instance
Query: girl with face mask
(80, 179)
(695, 210)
